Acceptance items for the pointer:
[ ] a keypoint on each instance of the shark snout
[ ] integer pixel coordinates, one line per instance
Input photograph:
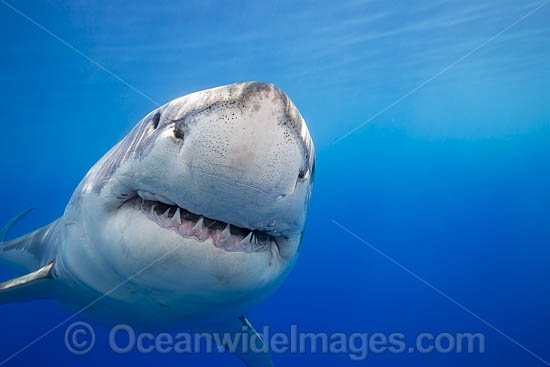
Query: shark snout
(251, 137)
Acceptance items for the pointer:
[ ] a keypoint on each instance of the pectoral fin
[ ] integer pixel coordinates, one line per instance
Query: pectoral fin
(36, 285)
(5, 229)
(31, 251)
(258, 355)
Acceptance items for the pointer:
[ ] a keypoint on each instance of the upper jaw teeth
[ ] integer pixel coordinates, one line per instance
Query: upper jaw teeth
(225, 237)
(248, 238)
(177, 216)
(198, 225)
(232, 238)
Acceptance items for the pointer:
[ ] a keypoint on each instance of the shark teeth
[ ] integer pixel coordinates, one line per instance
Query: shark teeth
(225, 237)
(198, 226)
(177, 216)
(189, 225)
(165, 214)
(248, 238)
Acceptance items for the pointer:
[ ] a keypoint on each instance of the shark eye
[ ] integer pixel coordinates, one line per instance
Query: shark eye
(178, 133)
(155, 120)
(304, 173)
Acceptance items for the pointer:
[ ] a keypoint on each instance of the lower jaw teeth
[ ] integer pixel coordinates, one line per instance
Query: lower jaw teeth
(221, 238)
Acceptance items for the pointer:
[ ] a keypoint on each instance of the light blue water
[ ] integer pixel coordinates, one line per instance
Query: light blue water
(451, 182)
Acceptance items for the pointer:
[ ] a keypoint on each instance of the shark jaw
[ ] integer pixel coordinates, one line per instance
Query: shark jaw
(226, 236)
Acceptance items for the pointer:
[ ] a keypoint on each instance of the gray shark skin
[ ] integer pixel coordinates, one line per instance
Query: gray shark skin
(192, 219)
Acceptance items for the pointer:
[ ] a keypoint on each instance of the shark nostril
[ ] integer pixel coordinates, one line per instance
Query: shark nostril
(155, 120)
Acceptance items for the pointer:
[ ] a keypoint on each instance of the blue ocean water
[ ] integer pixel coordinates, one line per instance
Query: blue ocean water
(446, 182)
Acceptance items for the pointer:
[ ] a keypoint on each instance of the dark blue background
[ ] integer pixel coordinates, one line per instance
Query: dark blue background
(452, 182)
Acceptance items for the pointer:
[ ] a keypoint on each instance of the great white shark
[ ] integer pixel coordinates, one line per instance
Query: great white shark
(193, 218)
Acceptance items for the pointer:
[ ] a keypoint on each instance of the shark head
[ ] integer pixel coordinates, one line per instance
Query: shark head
(208, 193)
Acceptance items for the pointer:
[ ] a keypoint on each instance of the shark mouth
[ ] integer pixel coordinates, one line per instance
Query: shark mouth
(225, 236)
